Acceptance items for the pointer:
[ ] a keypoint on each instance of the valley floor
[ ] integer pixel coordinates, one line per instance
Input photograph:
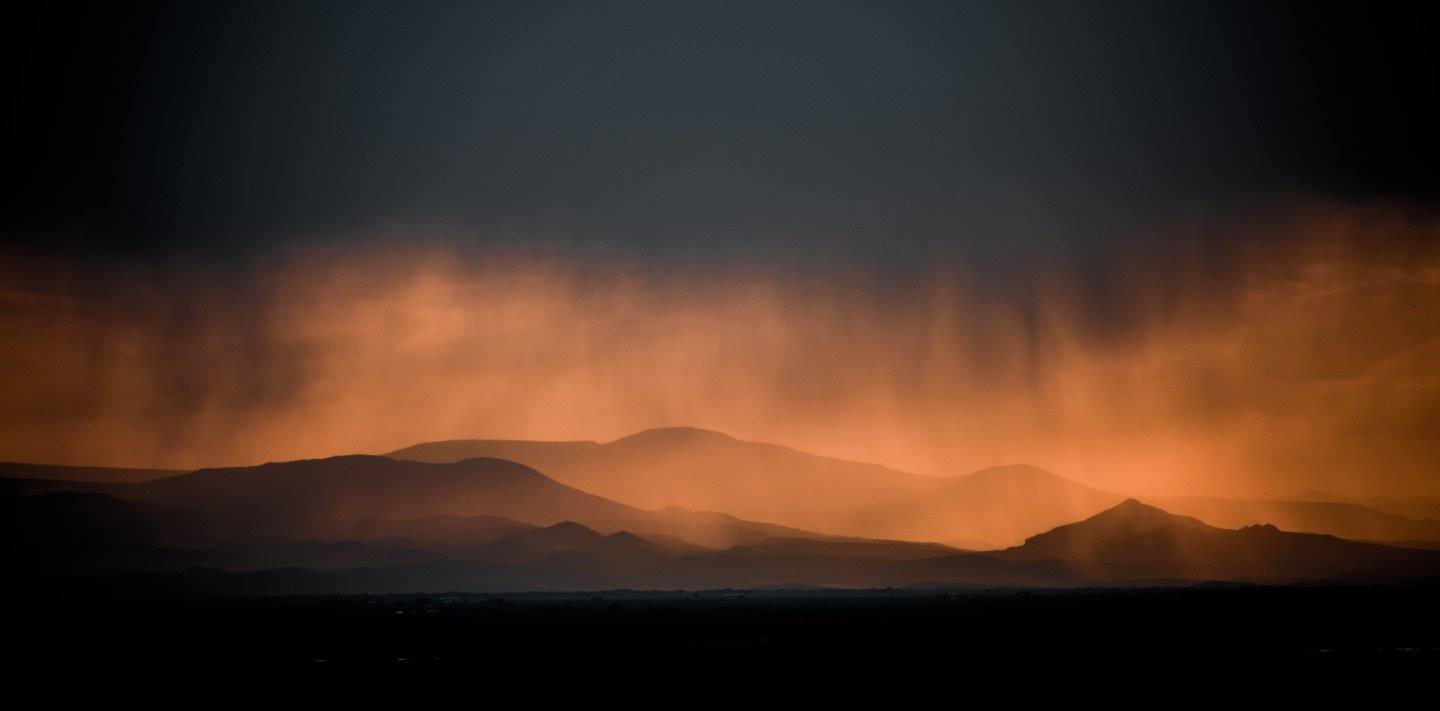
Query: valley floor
(749, 634)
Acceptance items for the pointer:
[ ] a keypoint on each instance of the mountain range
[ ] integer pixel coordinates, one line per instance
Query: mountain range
(708, 471)
(363, 523)
(22, 470)
(705, 470)
(990, 508)
(328, 498)
(1340, 518)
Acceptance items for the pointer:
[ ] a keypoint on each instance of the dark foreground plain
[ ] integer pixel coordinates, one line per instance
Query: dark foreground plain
(790, 635)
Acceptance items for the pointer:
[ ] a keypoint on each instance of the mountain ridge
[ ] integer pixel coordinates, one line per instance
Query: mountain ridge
(1134, 540)
(326, 497)
(1128, 544)
(708, 470)
(991, 508)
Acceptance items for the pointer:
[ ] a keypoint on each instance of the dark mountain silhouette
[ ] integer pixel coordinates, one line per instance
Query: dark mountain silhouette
(990, 508)
(788, 561)
(70, 532)
(63, 535)
(564, 538)
(74, 533)
(1426, 545)
(706, 470)
(1135, 541)
(439, 551)
(438, 533)
(559, 548)
(374, 524)
(67, 534)
(22, 470)
(1340, 518)
(328, 498)
(1091, 539)
(1128, 544)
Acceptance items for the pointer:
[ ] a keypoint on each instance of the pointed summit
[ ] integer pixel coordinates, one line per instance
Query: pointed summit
(1135, 516)
(1133, 507)
(1081, 540)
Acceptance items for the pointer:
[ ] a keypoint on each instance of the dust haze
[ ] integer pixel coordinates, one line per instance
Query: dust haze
(1312, 362)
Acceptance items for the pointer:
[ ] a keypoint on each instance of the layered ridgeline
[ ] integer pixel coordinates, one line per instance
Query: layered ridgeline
(379, 524)
(990, 508)
(372, 525)
(1366, 522)
(706, 470)
(328, 498)
(1134, 541)
(22, 470)
(1135, 544)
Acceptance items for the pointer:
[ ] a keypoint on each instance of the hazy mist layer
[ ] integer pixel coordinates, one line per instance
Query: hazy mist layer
(1313, 362)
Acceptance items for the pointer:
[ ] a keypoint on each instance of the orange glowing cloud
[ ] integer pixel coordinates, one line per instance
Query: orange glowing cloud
(1312, 365)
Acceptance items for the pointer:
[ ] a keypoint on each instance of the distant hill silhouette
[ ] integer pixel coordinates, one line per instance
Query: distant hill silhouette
(87, 533)
(377, 524)
(1340, 518)
(562, 549)
(329, 498)
(1135, 541)
(325, 497)
(438, 531)
(567, 539)
(22, 470)
(707, 470)
(95, 544)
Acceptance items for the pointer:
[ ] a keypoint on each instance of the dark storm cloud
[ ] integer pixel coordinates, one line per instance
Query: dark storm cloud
(992, 132)
(1160, 246)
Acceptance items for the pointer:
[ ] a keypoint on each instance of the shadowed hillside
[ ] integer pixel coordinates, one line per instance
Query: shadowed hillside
(706, 470)
(328, 498)
(325, 497)
(1343, 519)
(22, 470)
(68, 533)
(1136, 541)
(88, 544)
(990, 508)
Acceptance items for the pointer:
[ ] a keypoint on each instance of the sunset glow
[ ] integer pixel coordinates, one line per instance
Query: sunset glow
(1273, 378)
(624, 342)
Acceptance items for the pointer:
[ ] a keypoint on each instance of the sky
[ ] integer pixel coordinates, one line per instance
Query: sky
(1157, 247)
